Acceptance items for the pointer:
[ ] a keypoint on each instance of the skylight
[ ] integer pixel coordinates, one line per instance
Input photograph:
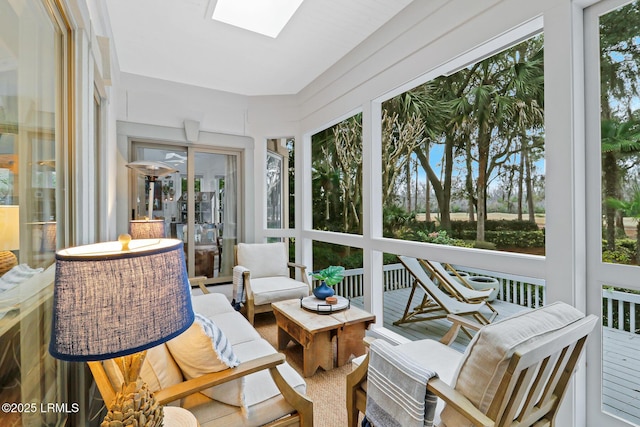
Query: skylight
(267, 17)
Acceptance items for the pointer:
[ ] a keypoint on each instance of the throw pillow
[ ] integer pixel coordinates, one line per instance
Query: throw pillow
(17, 275)
(204, 348)
(159, 371)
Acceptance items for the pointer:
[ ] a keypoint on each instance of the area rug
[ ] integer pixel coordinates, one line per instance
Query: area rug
(327, 389)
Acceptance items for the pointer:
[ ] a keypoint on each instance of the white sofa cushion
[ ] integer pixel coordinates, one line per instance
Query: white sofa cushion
(264, 259)
(236, 328)
(215, 414)
(216, 307)
(202, 349)
(272, 289)
(159, 370)
(211, 304)
(489, 353)
(259, 386)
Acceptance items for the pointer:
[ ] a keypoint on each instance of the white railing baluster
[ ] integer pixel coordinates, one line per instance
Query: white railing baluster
(520, 290)
(621, 315)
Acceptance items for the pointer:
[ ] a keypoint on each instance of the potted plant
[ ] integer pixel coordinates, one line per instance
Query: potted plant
(328, 277)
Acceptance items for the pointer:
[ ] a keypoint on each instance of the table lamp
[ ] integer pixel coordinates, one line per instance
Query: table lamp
(9, 236)
(146, 229)
(115, 300)
(152, 170)
(49, 236)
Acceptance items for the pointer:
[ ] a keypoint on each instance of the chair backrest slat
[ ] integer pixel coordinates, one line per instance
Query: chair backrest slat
(537, 376)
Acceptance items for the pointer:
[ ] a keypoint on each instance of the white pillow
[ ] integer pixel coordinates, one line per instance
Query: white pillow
(264, 259)
(489, 353)
(203, 348)
(159, 371)
(17, 275)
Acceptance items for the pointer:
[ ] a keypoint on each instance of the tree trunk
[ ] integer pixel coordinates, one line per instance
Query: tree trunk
(469, 182)
(529, 184)
(638, 242)
(620, 231)
(610, 171)
(427, 193)
(407, 171)
(520, 184)
(484, 143)
(415, 189)
(441, 190)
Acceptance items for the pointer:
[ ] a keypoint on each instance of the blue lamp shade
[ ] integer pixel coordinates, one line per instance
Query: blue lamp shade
(111, 302)
(147, 229)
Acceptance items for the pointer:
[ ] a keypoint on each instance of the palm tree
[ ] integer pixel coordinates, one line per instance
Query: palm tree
(630, 208)
(506, 98)
(616, 138)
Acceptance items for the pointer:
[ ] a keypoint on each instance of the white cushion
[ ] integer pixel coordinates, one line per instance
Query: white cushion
(204, 348)
(17, 275)
(259, 386)
(272, 289)
(263, 400)
(490, 351)
(215, 414)
(159, 370)
(264, 259)
(211, 304)
(236, 327)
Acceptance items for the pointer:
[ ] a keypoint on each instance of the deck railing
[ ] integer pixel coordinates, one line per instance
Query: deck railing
(620, 310)
(525, 291)
(521, 290)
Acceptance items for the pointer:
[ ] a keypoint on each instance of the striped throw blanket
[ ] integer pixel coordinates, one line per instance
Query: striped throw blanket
(397, 393)
(238, 296)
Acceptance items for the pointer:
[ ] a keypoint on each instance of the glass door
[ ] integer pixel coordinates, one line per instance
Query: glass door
(198, 203)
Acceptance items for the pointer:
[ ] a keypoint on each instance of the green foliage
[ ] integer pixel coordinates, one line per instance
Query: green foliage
(628, 244)
(511, 239)
(396, 220)
(331, 275)
(619, 256)
(484, 245)
(441, 238)
(493, 225)
(325, 254)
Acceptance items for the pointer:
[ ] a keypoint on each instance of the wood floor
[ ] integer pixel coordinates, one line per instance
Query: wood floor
(621, 374)
(395, 303)
(621, 354)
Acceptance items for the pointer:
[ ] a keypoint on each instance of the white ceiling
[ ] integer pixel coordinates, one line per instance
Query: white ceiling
(176, 40)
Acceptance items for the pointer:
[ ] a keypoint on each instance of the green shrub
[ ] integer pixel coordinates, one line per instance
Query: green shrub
(508, 239)
(441, 237)
(484, 245)
(619, 256)
(629, 244)
(459, 227)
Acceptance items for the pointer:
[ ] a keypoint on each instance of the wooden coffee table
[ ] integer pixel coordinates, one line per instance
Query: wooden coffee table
(315, 333)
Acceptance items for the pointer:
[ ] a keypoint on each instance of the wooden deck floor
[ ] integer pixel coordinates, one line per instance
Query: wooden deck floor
(621, 376)
(394, 306)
